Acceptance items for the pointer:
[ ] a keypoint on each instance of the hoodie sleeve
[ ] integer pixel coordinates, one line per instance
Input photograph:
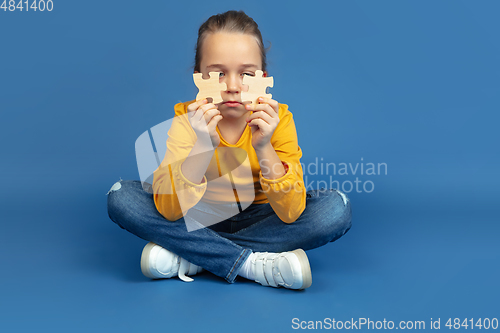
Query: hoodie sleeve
(173, 193)
(287, 195)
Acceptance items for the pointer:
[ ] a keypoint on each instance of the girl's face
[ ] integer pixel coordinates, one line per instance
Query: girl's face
(234, 55)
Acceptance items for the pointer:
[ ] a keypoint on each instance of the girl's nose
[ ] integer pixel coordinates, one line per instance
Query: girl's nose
(233, 83)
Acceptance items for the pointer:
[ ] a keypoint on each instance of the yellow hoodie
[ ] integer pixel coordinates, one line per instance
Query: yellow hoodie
(233, 174)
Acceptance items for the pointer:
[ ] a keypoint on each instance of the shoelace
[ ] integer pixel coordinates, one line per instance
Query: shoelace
(186, 267)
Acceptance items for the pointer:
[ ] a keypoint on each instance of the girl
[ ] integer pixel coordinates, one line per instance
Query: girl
(266, 238)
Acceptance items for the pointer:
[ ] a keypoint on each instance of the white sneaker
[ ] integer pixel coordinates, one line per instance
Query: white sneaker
(288, 269)
(159, 263)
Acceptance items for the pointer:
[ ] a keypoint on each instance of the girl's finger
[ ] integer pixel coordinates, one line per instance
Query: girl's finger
(258, 122)
(210, 114)
(262, 115)
(197, 114)
(274, 104)
(213, 122)
(200, 113)
(266, 108)
(194, 106)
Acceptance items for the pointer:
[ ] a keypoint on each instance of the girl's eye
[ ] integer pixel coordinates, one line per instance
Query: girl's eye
(243, 74)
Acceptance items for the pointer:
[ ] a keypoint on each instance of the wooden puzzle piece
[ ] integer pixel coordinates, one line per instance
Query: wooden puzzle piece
(257, 86)
(210, 87)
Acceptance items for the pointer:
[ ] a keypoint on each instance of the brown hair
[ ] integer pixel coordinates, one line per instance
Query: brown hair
(231, 21)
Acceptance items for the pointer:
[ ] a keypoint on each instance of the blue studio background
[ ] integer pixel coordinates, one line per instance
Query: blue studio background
(412, 84)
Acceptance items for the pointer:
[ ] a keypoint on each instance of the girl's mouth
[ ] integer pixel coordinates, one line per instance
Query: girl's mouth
(232, 104)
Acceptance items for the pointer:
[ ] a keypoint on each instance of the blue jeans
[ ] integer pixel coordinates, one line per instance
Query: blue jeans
(223, 247)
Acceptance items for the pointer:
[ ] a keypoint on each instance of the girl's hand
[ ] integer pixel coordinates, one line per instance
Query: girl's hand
(204, 118)
(263, 121)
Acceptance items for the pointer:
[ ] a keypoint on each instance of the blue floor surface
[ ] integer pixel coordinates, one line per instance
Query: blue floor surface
(73, 270)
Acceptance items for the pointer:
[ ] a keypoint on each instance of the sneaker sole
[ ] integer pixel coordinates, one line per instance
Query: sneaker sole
(306, 268)
(145, 260)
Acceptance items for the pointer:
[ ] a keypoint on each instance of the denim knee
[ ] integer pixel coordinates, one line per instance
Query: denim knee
(344, 215)
(333, 210)
(119, 198)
